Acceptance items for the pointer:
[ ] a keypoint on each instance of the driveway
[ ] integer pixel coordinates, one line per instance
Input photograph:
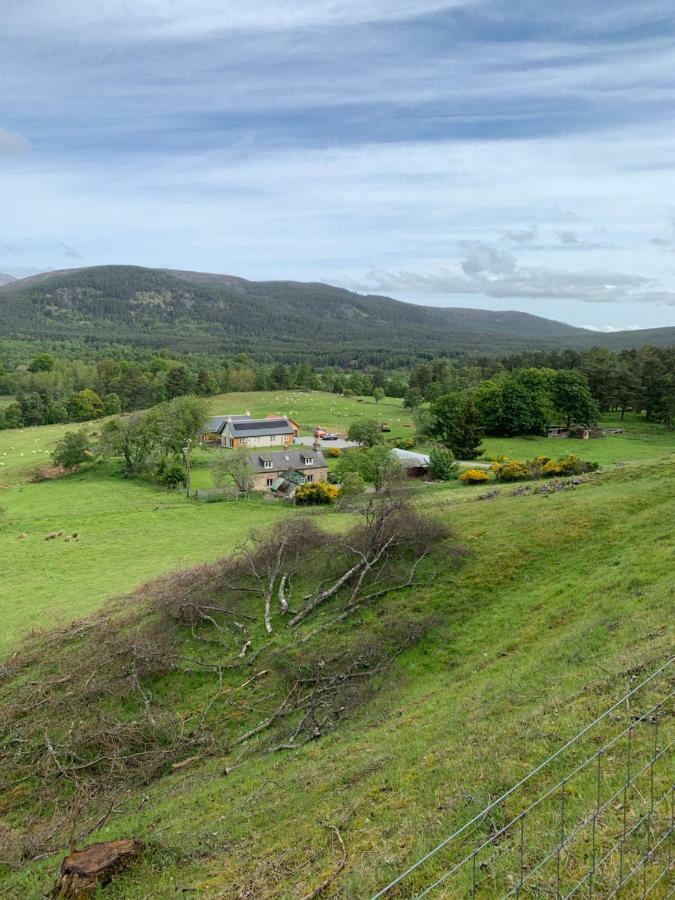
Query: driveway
(340, 443)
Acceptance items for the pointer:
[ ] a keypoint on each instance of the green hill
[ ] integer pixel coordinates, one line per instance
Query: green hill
(270, 320)
(437, 700)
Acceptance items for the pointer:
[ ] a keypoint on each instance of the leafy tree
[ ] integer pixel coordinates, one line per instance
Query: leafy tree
(178, 381)
(13, 416)
(352, 488)
(43, 362)
(455, 422)
(442, 464)
(365, 432)
(376, 465)
(127, 437)
(112, 405)
(233, 466)
(171, 424)
(489, 400)
(85, 404)
(572, 398)
(413, 398)
(378, 394)
(72, 449)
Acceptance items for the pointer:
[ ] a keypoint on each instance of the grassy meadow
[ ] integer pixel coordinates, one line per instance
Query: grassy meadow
(131, 531)
(560, 601)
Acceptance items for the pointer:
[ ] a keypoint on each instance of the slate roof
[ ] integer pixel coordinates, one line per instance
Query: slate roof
(287, 459)
(260, 427)
(214, 425)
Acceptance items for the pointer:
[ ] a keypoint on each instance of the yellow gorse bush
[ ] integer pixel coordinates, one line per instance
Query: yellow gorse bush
(474, 476)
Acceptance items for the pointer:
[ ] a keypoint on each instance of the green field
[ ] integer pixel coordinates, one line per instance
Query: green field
(538, 630)
(131, 531)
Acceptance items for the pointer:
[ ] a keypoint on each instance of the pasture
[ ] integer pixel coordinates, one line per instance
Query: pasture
(559, 602)
(131, 531)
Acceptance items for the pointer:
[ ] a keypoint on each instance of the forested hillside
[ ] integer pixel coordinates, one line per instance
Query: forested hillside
(270, 320)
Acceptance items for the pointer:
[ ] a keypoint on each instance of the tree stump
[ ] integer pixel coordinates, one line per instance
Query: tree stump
(84, 870)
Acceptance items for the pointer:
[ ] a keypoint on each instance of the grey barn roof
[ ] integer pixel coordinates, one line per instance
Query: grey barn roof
(287, 459)
(260, 427)
(214, 425)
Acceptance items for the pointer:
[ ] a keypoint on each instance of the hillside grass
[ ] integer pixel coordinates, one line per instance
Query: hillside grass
(316, 409)
(539, 630)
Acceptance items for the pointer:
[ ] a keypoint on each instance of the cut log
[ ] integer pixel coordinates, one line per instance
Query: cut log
(84, 870)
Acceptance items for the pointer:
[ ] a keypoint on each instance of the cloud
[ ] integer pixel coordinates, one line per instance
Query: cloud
(13, 144)
(611, 329)
(666, 243)
(166, 19)
(492, 273)
(572, 239)
(70, 252)
(524, 236)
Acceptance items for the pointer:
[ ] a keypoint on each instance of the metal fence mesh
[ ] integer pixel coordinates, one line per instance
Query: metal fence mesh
(595, 819)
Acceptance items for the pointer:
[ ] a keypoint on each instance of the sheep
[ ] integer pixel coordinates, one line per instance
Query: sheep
(75, 536)
(67, 538)
(22, 536)
(59, 533)
(51, 536)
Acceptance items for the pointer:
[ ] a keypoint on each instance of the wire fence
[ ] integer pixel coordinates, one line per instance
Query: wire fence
(594, 820)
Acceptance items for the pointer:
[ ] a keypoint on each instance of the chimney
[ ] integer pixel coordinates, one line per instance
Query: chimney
(316, 446)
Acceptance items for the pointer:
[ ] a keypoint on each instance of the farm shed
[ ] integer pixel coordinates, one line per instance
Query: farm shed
(415, 464)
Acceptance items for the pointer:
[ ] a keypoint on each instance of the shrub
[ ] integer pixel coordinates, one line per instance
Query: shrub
(551, 468)
(72, 449)
(512, 470)
(317, 492)
(169, 472)
(474, 476)
(406, 443)
(568, 465)
(333, 452)
(442, 464)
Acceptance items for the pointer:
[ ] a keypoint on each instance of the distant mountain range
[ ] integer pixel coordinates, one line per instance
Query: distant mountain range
(198, 311)
(6, 279)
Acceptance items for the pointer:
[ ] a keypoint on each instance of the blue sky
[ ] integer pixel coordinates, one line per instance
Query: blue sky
(502, 155)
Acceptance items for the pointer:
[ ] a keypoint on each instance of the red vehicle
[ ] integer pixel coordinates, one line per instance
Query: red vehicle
(320, 433)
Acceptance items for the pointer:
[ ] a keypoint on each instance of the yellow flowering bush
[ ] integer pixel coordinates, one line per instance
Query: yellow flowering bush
(512, 470)
(317, 492)
(333, 452)
(474, 476)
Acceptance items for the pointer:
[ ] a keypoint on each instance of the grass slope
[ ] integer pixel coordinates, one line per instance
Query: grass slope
(560, 599)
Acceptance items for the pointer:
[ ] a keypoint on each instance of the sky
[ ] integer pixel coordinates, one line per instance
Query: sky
(481, 153)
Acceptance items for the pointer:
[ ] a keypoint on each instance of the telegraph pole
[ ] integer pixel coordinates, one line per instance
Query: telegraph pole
(186, 455)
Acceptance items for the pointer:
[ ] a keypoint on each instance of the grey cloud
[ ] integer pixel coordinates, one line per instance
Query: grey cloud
(483, 258)
(572, 239)
(13, 144)
(491, 273)
(524, 236)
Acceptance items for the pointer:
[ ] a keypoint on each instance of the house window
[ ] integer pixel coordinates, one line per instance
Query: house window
(309, 460)
(267, 463)
(309, 478)
(269, 482)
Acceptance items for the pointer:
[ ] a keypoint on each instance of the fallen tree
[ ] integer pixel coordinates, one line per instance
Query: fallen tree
(241, 656)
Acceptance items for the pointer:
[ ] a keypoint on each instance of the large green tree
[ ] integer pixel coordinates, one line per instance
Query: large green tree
(572, 398)
(456, 423)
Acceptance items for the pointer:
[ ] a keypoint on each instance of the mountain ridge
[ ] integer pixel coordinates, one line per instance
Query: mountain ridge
(214, 312)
